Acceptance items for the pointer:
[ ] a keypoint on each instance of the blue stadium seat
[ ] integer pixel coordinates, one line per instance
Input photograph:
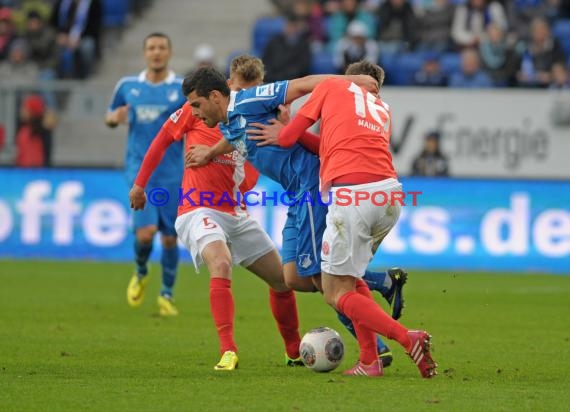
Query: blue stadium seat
(322, 63)
(264, 29)
(115, 13)
(450, 63)
(561, 29)
(407, 64)
(389, 63)
(565, 43)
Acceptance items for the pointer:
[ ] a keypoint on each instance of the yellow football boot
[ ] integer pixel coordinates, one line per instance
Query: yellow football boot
(166, 306)
(135, 290)
(228, 362)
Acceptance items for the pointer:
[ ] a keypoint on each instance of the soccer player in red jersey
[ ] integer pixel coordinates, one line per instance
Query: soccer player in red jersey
(356, 162)
(214, 226)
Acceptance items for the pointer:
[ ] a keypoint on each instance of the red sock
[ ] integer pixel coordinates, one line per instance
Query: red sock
(363, 289)
(284, 309)
(222, 308)
(366, 338)
(368, 314)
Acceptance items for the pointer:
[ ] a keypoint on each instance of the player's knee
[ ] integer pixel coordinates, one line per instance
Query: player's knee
(145, 236)
(221, 267)
(169, 242)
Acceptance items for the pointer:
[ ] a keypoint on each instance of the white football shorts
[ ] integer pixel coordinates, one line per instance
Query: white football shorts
(244, 236)
(354, 231)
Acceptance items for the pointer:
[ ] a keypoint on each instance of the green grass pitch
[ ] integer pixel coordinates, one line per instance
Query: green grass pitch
(69, 342)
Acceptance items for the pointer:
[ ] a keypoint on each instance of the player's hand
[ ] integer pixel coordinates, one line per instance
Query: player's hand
(367, 82)
(137, 197)
(118, 116)
(198, 155)
(284, 115)
(266, 134)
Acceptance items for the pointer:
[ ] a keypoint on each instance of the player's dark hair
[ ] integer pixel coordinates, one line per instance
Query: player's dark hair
(157, 34)
(204, 80)
(364, 67)
(249, 68)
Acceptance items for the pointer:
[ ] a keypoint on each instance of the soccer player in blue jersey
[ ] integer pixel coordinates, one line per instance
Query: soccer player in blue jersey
(145, 101)
(296, 169)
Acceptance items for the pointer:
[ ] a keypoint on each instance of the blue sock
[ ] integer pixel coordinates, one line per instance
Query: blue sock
(379, 281)
(142, 252)
(169, 263)
(350, 327)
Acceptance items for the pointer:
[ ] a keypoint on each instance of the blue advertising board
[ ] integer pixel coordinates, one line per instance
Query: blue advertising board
(452, 224)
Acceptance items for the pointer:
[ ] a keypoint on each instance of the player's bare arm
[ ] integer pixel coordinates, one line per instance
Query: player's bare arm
(137, 197)
(305, 85)
(284, 115)
(201, 155)
(118, 116)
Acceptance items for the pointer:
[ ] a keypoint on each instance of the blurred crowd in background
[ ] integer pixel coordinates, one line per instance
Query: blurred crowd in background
(45, 40)
(437, 43)
(456, 43)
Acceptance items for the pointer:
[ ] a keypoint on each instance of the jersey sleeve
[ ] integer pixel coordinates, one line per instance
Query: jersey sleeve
(314, 104)
(179, 122)
(118, 97)
(234, 131)
(264, 98)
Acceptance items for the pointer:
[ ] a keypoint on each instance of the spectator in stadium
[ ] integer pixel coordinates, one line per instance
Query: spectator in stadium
(144, 102)
(497, 56)
(17, 67)
(559, 78)
(208, 230)
(33, 139)
(204, 55)
(41, 40)
(471, 74)
(7, 34)
(434, 26)
(431, 161)
(346, 12)
(521, 13)
(288, 54)
(312, 13)
(355, 46)
(78, 25)
(471, 19)
(397, 26)
(430, 74)
(2, 137)
(541, 52)
(355, 159)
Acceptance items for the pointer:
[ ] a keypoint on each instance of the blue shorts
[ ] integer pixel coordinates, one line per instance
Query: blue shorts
(160, 210)
(303, 235)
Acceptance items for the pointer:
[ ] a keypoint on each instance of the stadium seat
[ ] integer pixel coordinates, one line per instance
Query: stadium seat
(322, 63)
(115, 13)
(264, 29)
(561, 29)
(565, 43)
(450, 63)
(407, 64)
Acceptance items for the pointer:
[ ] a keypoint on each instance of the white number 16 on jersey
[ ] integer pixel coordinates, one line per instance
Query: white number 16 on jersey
(373, 108)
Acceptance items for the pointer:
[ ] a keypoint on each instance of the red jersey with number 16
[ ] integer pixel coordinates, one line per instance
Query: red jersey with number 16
(355, 130)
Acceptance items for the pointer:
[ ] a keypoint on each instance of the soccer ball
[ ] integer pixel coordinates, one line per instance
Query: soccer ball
(322, 349)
